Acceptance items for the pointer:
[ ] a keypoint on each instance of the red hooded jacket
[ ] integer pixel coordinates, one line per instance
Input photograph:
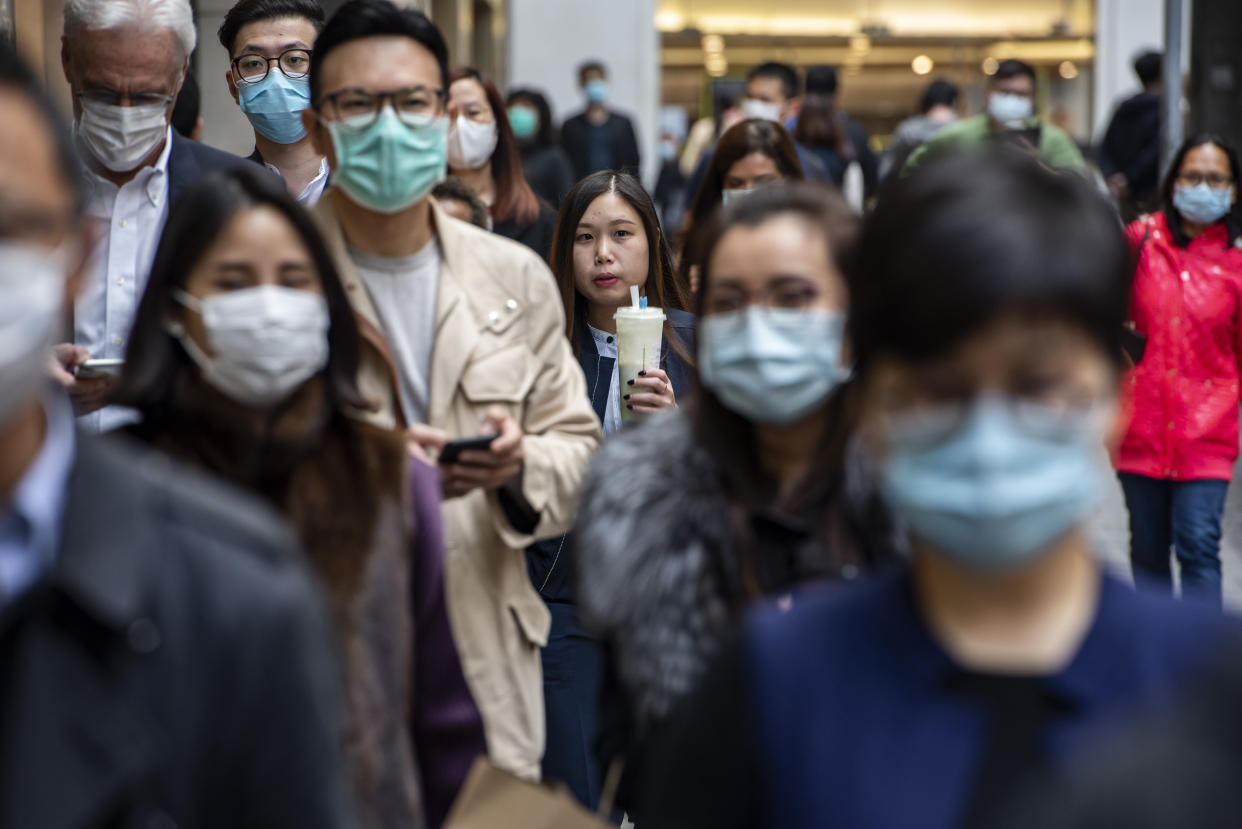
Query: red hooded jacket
(1183, 395)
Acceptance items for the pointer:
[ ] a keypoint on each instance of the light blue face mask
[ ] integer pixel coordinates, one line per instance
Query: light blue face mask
(274, 106)
(772, 366)
(596, 91)
(1201, 204)
(1010, 109)
(998, 488)
(389, 165)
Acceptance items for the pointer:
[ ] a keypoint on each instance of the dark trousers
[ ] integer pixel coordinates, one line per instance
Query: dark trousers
(572, 671)
(1185, 515)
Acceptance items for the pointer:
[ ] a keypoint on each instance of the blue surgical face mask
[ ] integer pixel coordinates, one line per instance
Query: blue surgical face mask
(996, 484)
(596, 91)
(772, 366)
(1201, 204)
(388, 165)
(274, 106)
(1009, 109)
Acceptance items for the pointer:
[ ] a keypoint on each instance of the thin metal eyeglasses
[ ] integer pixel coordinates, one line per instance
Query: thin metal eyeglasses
(358, 109)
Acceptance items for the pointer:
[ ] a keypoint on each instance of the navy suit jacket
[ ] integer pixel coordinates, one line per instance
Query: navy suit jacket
(189, 161)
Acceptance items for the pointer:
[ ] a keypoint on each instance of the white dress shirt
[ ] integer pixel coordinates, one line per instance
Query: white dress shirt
(314, 190)
(134, 216)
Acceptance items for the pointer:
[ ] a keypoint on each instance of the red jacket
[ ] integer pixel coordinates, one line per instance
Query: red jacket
(1183, 395)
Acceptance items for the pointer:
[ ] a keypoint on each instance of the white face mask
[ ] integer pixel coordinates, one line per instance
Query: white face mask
(120, 137)
(267, 341)
(471, 144)
(753, 108)
(1010, 110)
(32, 283)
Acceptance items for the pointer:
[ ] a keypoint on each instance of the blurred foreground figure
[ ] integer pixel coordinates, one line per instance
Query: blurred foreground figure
(988, 349)
(165, 662)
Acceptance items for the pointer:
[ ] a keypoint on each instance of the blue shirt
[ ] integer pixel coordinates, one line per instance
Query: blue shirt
(859, 722)
(30, 523)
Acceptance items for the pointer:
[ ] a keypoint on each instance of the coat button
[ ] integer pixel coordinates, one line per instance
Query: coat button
(350, 287)
(1171, 425)
(1172, 372)
(144, 636)
(493, 317)
(1177, 320)
(511, 305)
(1185, 276)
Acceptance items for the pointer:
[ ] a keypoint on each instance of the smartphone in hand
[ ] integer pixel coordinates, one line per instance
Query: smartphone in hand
(453, 449)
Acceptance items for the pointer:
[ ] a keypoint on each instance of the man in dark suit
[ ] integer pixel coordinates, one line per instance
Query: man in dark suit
(125, 66)
(599, 138)
(165, 661)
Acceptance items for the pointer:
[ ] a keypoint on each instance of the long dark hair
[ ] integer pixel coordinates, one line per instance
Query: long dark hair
(546, 135)
(844, 532)
(155, 360)
(514, 198)
(1233, 221)
(662, 287)
(754, 135)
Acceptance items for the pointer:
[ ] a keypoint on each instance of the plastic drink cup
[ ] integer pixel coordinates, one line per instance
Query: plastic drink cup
(640, 336)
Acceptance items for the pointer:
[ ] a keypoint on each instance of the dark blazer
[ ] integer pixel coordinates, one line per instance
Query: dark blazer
(547, 561)
(188, 161)
(576, 137)
(173, 668)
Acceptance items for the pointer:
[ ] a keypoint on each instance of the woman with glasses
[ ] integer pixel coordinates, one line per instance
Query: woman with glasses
(987, 349)
(483, 153)
(1178, 453)
(270, 43)
(742, 493)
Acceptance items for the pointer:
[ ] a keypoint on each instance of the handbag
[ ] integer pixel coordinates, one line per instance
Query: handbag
(495, 799)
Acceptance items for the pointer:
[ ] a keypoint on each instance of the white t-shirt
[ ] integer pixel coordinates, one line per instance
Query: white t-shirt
(403, 291)
(606, 346)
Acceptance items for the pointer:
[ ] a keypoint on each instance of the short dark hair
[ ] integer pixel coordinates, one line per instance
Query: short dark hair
(821, 80)
(358, 19)
(1233, 221)
(185, 111)
(454, 189)
(1149, 66)
(960, 243)
(155, 360)
(783, 72)
(546, 136)
(590, 66)
(254, 11)
(1012, 68)
(15, 76)
(939, 93)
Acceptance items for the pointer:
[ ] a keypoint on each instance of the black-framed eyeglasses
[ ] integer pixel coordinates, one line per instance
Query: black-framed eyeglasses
(251, 68)
(109, 97)
(1217, 181)
(359, 108)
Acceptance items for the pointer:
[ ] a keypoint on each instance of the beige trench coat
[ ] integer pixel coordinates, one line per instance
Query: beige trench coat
(500, 341)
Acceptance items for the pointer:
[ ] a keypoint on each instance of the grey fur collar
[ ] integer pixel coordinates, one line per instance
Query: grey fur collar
(647, 564)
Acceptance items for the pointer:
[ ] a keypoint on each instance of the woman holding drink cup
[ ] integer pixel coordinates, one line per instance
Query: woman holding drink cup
(754, 489)
(609, 252)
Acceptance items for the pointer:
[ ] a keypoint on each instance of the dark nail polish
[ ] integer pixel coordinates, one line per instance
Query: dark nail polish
(631, 408)
(629, 382)
(625, 397)
(642, 373)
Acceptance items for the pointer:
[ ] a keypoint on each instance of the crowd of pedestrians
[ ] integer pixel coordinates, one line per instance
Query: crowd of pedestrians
(425, 444)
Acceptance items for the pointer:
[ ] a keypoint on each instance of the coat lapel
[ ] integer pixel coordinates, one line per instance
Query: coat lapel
(71, 702)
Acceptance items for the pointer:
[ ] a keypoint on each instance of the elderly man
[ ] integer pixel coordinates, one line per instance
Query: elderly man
(471, 328)
(166, 662)
(125, 61)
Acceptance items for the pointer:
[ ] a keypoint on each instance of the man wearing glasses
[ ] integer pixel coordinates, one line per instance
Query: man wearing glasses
(125, 61)
(466, 339)
(269, 44)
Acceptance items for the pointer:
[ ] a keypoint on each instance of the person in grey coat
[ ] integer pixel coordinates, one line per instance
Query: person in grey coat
(166, 660)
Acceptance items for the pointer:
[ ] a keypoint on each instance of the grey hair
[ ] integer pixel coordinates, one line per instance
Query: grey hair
(145, 15)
